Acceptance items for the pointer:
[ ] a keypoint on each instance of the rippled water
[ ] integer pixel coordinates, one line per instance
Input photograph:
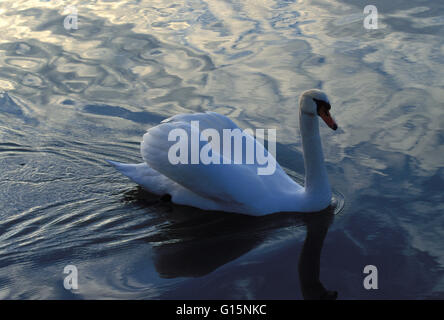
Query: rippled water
(71, 99)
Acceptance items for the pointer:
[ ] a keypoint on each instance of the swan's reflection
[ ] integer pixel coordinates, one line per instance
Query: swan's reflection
(310, 258)
(194, 242)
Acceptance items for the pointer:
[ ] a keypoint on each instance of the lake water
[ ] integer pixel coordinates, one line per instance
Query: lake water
(73, 98)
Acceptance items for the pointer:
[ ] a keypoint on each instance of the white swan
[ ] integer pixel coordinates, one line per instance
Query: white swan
(236, 187)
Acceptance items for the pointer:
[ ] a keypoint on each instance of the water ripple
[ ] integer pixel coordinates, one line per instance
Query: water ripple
(72, 98)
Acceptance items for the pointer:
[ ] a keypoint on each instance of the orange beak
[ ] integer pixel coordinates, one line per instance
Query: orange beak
(325, 115)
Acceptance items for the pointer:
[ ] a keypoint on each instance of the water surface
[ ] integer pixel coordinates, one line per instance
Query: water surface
(73, 98)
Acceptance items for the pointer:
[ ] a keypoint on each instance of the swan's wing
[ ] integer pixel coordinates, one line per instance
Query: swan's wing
(238, 185)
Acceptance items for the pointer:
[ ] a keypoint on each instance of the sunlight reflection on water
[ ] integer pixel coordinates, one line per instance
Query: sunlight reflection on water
(75, 98)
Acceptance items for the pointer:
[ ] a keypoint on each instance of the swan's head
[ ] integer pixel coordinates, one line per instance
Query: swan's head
(315, 102)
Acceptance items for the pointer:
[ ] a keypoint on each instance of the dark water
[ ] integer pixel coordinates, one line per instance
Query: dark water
(72, 99)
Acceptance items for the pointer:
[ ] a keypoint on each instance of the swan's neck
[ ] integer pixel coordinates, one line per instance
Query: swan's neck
(316, 179)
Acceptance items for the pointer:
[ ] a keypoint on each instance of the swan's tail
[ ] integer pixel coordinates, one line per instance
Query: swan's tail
(144, 175)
